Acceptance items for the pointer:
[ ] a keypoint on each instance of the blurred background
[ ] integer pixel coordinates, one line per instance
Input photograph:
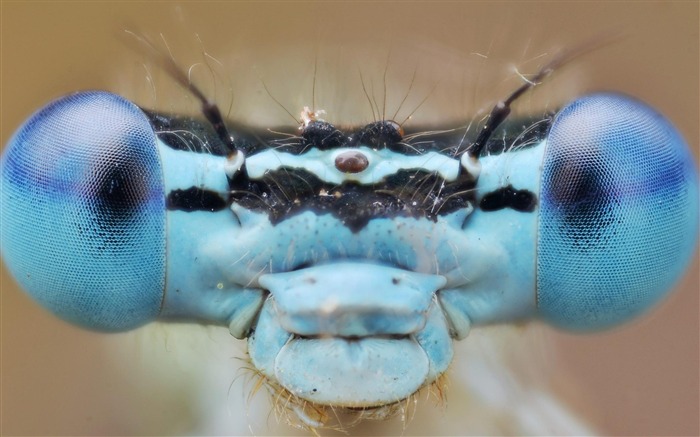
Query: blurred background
(641, 379)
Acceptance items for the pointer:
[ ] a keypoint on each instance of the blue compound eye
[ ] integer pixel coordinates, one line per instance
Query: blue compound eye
(83, 211)
(619, 213)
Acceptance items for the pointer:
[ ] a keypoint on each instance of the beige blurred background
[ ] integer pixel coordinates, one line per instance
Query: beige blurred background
(57, 380)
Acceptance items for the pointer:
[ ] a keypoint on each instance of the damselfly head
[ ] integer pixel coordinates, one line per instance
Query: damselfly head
(350, 258)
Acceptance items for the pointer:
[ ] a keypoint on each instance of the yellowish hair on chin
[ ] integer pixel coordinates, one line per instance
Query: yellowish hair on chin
(302, 414)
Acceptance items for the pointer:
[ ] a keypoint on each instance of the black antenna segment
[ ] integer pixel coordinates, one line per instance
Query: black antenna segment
(210, 110)
(502, 109)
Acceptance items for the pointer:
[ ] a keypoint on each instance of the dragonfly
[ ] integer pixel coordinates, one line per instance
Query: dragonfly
(350, 259)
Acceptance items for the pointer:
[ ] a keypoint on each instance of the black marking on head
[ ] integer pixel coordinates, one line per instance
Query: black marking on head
(187, 134)
(385, 134)
(323, 136)
(196, 135)
(509, 197)
(407, 193)
(195, 199)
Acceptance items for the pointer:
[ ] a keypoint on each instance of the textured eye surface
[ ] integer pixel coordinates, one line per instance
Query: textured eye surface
(83, 211)
(619, 212)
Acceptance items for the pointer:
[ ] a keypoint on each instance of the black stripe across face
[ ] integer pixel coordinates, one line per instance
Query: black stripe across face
(285, 192)
(408, 193)
(509, 197)
(195, 199)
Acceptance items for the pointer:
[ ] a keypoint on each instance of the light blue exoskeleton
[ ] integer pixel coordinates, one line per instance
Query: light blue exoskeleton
(350, 260)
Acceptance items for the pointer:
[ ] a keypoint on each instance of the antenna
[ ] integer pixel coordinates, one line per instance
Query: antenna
(502, 109)
(209, 109)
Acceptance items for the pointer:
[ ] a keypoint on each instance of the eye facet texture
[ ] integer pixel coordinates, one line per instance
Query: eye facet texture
(83, 211)
(619, 212)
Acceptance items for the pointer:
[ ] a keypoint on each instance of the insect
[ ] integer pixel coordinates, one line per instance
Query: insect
(349, 259)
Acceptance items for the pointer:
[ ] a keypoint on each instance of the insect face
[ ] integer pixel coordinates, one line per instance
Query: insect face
(350, 259)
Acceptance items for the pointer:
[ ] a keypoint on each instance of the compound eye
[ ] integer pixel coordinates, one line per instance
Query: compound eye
(83, 211)
(618, 212)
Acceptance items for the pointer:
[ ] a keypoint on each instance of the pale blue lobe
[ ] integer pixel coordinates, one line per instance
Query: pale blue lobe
(351, 299)
(352, 373)
(351, 334)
